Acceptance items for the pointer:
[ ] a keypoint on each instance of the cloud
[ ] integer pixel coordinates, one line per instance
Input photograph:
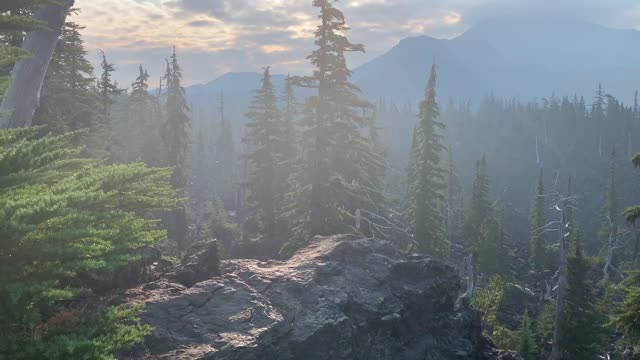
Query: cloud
(215, 36)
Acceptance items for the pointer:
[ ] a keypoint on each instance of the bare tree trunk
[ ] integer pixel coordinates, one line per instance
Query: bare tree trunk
(471, 279)
(23, 96)
(556, 350)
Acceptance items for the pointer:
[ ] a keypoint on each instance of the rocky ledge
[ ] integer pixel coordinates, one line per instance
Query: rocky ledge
(341, 297)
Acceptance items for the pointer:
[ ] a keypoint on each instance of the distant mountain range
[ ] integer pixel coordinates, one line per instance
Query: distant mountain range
(524, 57)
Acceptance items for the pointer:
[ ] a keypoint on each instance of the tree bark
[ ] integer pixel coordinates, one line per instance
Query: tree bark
(23, 96)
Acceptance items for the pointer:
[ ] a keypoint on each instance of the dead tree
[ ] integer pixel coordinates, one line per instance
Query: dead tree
(468, 263)
(613, 244)
(556, 350)
(23, 96)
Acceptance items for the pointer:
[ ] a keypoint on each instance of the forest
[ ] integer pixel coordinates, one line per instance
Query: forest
(523, 209)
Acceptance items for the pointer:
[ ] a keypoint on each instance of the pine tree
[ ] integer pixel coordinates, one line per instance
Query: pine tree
(524, 341)
(69, 100)
(454, 199)
(265, 138)
(479, 208)
(412, 177)
(68, 223)
(537, 253)
(628, 319)
(329, 180)
(224, 171)
(142, 139)
(289, 120)
(583, 325)
(431, 184)
(107, 88)
(176, 137)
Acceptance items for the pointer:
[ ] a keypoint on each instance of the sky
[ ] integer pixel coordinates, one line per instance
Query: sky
(213, 37)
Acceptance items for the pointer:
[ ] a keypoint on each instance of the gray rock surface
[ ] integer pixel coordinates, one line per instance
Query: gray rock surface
(201, 262)
(339, 298)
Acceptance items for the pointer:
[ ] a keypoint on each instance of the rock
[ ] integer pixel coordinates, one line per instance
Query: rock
(137, 272)
(339, 298)
(201, 262)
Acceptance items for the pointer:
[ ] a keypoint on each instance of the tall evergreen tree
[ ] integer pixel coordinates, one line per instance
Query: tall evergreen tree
(69, 98)
(412, 177)
(265, 137)
(329, 180)
(524, 340)
(141, 137)
(583, 325)
(107, 87)
(431, 183)
(224, 159)
(537, 252)
(454, 199)
(479, 207)
(176, 137)
(289, 119)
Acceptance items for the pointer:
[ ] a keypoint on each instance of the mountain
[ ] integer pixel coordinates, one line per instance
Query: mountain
(524, 57)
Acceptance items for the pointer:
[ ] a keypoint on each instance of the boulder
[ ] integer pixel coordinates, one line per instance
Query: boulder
(201, 262)
(339, 298)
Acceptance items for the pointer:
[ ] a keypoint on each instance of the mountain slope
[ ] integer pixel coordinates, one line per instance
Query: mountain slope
(524, 57)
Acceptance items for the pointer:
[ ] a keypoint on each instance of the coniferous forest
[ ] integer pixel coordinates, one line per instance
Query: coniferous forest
(121, 202)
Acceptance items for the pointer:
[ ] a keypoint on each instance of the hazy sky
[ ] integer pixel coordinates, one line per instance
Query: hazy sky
(216, 36)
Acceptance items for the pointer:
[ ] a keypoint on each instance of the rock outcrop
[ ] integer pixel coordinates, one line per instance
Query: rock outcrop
(339, 298)
(201, 262)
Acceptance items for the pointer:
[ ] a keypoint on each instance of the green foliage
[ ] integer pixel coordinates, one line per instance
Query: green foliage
(267, 179)
(487, 301)
(175, 133)
(139, 137)
(65, 222)
(82, 336)
(628, 319)
(583, 325)
(482, 232)
(524, 341)
(219, 227)
(430, 186)
(545, 321)
(330, 179)
(15, 19)
(69, 100)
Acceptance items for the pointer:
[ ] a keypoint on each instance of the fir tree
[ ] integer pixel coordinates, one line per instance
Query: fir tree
(431, 183)
(224, 159)
(107, 88)
(583, 325)
(289, 120)
(329, 180)
(176, 137)
(142, 139)
(69, 100)
(524, 340)
(412, 176)
(265, 138)
(68, 223)
(479, 207)
(454, 199)
(537, 253)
